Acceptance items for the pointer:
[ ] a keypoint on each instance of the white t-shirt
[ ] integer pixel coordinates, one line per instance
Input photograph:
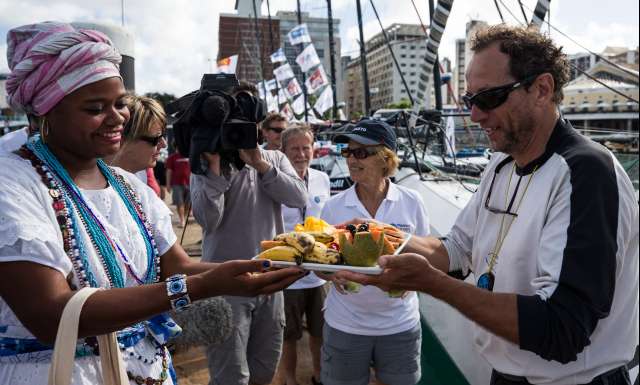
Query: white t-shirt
(319, 192)
(29, 232)
(371, 311)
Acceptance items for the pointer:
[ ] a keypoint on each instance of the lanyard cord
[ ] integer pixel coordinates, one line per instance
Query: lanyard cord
(303, 210)
(501, 237)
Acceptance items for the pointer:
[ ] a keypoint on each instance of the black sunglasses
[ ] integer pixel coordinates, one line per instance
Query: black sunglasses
(506, 211)
(152, 140)
(360, 152)
(493, 97)
(277, 130)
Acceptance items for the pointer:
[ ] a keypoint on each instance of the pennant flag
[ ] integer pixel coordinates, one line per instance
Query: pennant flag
(299, 34)
(278, 56)
(298, 105)
(262, 91)
(271, 84)
(293, 88)
(228, 65)
(325, 101)
(283, 72)
(308, 58)
(316, 80)
(272, 103)
(450, 137)
(286, 111)
(283, 95)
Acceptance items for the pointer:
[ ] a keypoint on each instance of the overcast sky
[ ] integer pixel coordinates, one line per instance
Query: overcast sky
(176, 39)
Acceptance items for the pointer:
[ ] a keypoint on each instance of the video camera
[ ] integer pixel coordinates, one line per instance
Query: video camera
(218, 118)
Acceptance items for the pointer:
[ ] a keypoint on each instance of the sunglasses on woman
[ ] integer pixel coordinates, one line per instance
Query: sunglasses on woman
(494, 97)
(360, 152)
(152, 140)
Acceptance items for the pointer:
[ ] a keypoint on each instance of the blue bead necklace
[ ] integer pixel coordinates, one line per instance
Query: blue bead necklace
(67, 198)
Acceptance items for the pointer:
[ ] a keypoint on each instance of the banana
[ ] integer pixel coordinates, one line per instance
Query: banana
(321, 236)
(282, 253)
(322, 254)
(303, 242)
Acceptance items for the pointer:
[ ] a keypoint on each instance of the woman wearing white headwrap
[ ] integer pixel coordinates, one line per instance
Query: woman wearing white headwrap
(67, 221)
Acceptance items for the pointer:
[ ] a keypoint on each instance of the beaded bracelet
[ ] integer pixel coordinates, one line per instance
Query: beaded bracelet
(177, 292)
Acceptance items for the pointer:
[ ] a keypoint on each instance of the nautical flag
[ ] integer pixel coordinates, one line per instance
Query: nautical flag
(283, 95)
(271, 84)
(228, 65)
(272, 103)
(325, 101)
(299, 34)
(293, 88)
(450, 137)
(308, 58)
(316, 80)
(286, 111)
(283, 72)
(298, 105)
(262, 91)
(278, 56)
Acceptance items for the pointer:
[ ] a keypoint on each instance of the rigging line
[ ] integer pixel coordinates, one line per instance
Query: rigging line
(585, 73)
(603, 84)
(587, 49)
(499, 11)
(524, 14)
(393, 55)
(512, 14)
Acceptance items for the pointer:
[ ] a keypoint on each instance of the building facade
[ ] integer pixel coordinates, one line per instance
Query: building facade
(590, 105)
(353, 89)
(237, 36)
(319, 32)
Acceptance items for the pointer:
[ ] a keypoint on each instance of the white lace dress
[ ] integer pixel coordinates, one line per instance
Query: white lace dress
(29, 232)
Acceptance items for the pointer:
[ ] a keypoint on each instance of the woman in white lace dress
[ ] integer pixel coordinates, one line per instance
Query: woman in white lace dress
(67, 221)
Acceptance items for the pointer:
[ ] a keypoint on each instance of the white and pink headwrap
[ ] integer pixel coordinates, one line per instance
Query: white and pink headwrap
(50, 60)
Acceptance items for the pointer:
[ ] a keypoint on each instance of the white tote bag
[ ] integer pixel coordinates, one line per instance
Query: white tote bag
(62, 362)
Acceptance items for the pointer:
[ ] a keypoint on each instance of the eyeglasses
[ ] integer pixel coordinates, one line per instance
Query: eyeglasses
(152, 140)
(506, 211)
(277, 130)
(491, 98)
(360, 152)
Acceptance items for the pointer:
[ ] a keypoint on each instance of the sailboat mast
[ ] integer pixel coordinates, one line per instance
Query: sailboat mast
(363, 64)
(437, 82)
(260, 53)
(332, 54)
(304, 76)
(273, 49)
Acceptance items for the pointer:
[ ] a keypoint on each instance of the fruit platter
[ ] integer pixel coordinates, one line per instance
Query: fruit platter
(319, 246)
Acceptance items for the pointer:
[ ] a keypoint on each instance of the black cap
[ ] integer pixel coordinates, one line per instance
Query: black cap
(369, 132)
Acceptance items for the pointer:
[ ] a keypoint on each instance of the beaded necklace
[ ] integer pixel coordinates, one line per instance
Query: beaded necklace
(67, 197)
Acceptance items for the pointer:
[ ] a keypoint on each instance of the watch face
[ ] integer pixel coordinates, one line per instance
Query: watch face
(486, 280)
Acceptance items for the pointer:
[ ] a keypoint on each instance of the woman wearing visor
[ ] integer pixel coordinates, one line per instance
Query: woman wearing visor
(369, 325)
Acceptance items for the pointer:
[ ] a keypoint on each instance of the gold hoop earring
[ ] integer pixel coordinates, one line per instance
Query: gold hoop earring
(44, 129)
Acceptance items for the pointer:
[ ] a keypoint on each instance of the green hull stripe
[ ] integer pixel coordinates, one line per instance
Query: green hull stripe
(438, 368)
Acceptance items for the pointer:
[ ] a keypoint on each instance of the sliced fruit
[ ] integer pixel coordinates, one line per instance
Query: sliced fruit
(266, 245)
(281, 253)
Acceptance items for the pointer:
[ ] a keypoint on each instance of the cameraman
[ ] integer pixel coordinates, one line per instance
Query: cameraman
(238, 209)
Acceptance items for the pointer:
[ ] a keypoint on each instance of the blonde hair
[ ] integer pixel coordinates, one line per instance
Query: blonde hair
(296, 129)
(391, 160)
(145, 113)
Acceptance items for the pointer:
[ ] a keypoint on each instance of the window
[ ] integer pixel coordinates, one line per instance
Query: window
(403, 65)
(320, 52)
(403, 56)
(412, 65)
